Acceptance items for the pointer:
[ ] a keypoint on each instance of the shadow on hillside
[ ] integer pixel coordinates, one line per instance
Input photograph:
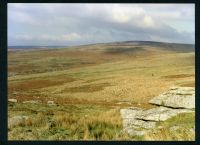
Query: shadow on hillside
(121, 50)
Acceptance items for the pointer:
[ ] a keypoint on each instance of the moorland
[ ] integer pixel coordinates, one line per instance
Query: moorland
(76, 93)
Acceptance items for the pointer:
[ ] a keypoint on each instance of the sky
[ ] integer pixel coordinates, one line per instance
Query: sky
(78, 24)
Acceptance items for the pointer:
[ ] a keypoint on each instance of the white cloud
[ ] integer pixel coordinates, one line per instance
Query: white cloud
(71, 37)
(148, 21)
(123, 13)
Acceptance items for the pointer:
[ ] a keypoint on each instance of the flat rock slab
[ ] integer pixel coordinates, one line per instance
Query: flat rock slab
(137, 122)
(160, 113)
(176, 97)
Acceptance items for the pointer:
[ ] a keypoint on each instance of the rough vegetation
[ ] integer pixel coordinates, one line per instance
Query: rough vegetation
(76, 93)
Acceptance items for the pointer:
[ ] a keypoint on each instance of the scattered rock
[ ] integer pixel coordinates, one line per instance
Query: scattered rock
(12, 100)
(51, 103)
(176, 97)
(16, 120)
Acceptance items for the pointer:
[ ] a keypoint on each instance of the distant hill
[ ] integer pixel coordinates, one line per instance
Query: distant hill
(128, 47)
(14, 48)
(176, 47)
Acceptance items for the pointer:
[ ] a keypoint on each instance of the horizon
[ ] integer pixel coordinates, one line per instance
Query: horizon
(83, 24)
(97, 43)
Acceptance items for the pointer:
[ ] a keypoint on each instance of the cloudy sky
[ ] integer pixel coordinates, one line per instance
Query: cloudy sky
(75, 24)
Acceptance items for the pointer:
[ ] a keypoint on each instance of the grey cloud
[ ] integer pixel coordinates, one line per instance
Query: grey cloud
(95, 23)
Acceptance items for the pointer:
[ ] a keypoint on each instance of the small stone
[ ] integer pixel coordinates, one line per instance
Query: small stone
(51, 103)
(12, 100)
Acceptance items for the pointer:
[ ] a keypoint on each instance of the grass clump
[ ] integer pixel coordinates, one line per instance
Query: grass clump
(70, 126)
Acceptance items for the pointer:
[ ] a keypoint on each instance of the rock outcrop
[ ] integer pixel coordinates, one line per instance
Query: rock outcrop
(131, 124)
(176, 97)
(137, 121)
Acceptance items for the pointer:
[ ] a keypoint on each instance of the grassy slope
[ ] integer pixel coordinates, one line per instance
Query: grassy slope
(90, 84)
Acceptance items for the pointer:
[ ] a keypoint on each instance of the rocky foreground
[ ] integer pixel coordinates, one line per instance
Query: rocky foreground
(137, 121)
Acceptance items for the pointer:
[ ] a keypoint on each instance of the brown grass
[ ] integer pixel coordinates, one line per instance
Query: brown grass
(189, 84)
(166, 135)
(102, 126)
(87, 88)
(178, 76)
(39, 83)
